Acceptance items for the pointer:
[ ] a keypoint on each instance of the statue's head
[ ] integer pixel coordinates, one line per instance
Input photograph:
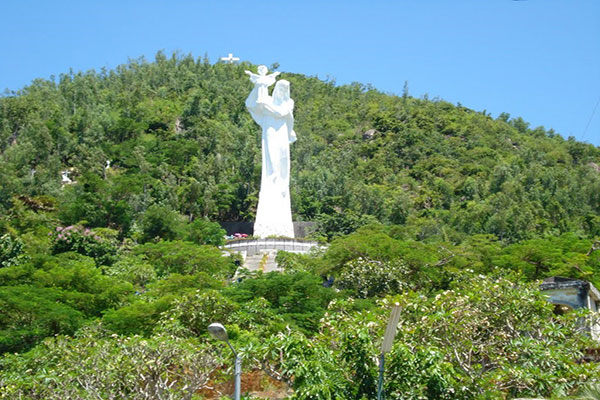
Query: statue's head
(281, 92)
(262, 70)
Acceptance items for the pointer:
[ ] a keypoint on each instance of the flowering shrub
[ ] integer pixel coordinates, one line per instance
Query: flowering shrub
(370, 278)
(502, 341)
(94, 365)
(83, 241)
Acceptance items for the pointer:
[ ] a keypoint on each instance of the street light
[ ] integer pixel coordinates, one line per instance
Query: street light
(219, 332)
(386, 346)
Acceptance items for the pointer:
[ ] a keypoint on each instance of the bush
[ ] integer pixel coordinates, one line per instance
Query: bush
(84, 286)
(132, 269)
(83, 241)
(421, 373)
(205, 232)
(142, 315)
(299, 298)
(368, 278)
(138, 318)
(185, 258)
(341, 223)
(160, 222)
(191, 314)
(11, 251)
(97, 366)
(179, 284)
(30, 314)
(496, 334)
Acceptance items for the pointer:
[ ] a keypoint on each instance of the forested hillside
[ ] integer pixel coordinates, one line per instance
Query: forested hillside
(454, 214)
(177, 134)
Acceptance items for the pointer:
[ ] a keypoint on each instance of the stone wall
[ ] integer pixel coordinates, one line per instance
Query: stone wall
(301, 228)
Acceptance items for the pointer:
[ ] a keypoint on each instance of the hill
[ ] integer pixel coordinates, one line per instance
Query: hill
(110, 275)
(176, 133)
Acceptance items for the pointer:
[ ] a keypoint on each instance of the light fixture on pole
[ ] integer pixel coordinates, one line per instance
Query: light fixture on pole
(386, 346)
(219, 332)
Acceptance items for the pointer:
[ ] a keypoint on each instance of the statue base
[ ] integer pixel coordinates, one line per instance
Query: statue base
(265, 229)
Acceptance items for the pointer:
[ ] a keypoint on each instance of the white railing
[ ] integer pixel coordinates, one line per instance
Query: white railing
(254, 246)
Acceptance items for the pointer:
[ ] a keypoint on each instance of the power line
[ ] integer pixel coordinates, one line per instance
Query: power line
(590, 120)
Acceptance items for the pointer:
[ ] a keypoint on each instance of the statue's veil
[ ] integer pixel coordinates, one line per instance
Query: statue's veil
(281, 97)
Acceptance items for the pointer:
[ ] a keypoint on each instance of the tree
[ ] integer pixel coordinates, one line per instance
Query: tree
(95, 365)
(11, 251)
(160, 222)
(29, 314)
(299, 298)
(202, 231)
(185, 258)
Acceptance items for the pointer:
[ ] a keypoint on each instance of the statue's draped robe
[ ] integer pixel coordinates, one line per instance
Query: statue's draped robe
(274, 214)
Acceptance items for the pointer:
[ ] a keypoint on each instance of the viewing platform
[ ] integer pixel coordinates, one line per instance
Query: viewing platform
(254, 246)
(259, 254)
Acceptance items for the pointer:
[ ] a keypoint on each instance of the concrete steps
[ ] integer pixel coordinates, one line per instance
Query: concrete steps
(262, 261)
(259, 254)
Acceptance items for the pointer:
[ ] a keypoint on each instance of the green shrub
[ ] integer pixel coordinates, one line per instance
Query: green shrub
(29, 314)
(180, 284)
(191, 314)
(138, 318)
(202, 231)
(421, 373)
(160, 222)
(11, 251)
(299, 298)
(132, 269)
(185, 258)
(368, 278)
(94, 365)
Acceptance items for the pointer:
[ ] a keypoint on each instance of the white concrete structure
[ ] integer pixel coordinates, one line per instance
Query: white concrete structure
(65, 177)
(256, 246)
(260, 254)
(275, 116)
(230, 59)
(261, 81)
(571, 294)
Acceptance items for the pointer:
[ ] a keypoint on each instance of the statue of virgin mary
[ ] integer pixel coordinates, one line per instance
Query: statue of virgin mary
(275, 116)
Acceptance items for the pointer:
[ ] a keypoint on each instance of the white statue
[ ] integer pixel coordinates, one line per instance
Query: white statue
(275, 116)
(65, 177)
(262, 81)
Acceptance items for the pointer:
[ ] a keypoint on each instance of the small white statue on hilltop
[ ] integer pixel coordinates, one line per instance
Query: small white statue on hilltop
(65, 179)
(275, 116)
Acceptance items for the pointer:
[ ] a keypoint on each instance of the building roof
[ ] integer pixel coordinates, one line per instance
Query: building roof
(558, 282)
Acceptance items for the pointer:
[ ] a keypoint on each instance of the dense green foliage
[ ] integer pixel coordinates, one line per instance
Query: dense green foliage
(179, 139)
(107, 284)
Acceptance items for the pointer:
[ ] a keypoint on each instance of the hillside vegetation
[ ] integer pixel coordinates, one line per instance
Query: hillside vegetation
(107, 283)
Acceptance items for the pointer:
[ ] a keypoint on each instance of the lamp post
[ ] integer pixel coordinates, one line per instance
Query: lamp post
(386, 346)
(219, 332)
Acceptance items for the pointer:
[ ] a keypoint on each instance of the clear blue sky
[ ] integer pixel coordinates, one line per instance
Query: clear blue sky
(538, 59)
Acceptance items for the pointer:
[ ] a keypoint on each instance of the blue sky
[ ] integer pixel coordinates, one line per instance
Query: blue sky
(538, 59)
